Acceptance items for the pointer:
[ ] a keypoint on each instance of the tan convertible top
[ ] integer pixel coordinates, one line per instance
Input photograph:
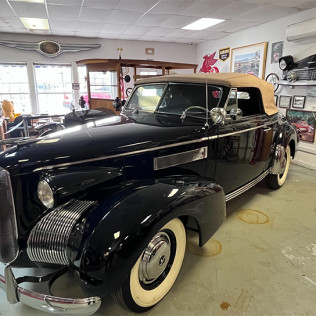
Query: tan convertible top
(231, 80)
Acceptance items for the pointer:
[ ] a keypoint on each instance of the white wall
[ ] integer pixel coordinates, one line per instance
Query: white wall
(131, 50)
(272, 32)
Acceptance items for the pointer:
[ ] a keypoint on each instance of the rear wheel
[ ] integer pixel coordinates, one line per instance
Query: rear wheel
(156, 270)
(275, 181)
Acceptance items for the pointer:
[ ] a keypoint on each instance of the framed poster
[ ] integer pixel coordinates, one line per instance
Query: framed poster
(250, 59)
(304, 121)
(285, 101)
(298, 102)
(276, 52)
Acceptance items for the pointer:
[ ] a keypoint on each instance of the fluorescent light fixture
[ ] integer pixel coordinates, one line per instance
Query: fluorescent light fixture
(35, 24)
(202, 24)
(34, 1)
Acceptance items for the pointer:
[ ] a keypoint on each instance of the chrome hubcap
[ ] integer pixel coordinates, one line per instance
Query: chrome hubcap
(155, 258)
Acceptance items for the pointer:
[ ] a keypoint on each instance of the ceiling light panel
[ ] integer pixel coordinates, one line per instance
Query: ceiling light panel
(202, 24)
(35, 24)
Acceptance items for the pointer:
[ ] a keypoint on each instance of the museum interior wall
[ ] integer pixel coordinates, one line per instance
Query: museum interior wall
(272, 32)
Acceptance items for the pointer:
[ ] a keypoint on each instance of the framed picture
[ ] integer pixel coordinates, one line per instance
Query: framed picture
(276, 99)
(304, 121)
(276, 52)
(298, 102)
(285, 101)
(249, 59)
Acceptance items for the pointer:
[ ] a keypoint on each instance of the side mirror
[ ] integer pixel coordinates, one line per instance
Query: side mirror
(236, 114)
(218, 115)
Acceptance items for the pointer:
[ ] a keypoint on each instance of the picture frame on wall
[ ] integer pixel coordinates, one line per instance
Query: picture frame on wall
(298, 102)
(305, 122)
(285, 101)
(250, 59)
(276, 99)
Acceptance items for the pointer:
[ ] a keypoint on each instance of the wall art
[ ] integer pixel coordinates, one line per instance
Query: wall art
(298, 102)
(250, 59)
(208, 64)
(285, 101)
(224, 53)
(276, 52)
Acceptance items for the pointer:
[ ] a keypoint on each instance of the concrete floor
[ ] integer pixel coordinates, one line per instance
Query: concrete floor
(262, 261)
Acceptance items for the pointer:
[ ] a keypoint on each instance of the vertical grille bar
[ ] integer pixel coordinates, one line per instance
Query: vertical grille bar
(9, 248)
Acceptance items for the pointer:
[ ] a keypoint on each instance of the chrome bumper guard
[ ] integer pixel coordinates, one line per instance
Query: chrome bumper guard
(47, 303)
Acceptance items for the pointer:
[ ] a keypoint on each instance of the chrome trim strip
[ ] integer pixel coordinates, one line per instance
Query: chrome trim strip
(128, 153)
(246, 187)
(53, 304)
(167, 161)
(62, 165)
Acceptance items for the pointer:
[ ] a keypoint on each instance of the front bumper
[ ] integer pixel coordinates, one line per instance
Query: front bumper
(47, 303)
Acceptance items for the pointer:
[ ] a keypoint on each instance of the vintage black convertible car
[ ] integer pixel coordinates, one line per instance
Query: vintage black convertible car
(110, 201)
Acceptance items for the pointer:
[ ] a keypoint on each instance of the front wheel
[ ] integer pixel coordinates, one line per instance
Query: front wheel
(156, 270)
(275, 181)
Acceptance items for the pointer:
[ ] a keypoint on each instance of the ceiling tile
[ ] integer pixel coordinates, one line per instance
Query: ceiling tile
(172, 7)
(137, 30)
(124, 17)
(29, 10)
(234, 9)
(153, 19)
(92, 14)
(181, 33)
(87, 27)
(61, 12)
(148, 38)
(232, 26)
(64, 33)
(114, 28)
(65, 2)
(59, 25)
(266, 13)
(159, 31)
(184, 40)
(128, 37)
(178, 21)
(108, 35)
(5, 9)
(11, 22)
(205, 8)
(87, 34)
(101, 4)
(136, 5)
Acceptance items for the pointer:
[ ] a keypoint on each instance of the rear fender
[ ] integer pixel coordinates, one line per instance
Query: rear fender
(120, 228)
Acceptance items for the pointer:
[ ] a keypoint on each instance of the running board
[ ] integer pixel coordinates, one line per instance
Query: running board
(246, 187)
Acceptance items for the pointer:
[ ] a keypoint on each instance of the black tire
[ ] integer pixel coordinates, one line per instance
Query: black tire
(276, 181)
(156, 270)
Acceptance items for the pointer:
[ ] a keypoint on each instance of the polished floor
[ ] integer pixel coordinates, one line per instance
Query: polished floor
(262, 261)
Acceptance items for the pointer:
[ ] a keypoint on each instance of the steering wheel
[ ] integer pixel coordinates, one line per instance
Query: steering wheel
(193, 107)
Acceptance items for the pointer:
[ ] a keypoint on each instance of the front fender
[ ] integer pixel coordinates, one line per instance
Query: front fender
(121, 227)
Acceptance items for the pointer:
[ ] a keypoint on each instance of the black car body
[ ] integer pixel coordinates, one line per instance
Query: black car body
(108, 200)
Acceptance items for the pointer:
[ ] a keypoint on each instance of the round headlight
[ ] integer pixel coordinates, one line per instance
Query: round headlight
(282, 64)
(45, 194)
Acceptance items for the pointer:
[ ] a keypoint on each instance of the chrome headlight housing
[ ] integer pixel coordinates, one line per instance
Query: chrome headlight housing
(285, 62)
(45, 194)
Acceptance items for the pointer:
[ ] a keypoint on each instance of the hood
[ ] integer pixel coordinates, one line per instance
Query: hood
(115, 136)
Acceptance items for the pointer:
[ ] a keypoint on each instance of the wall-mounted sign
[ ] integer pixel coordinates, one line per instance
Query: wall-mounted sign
(208, 64)
(224, 53)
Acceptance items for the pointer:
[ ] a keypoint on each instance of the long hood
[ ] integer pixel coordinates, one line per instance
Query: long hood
(104, 139)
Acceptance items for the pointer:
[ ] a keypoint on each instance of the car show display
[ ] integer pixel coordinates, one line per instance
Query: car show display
(188, 142)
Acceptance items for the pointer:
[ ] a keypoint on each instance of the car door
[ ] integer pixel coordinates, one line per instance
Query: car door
(243, 145)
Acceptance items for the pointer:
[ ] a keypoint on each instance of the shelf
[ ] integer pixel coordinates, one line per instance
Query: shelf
(303, 83)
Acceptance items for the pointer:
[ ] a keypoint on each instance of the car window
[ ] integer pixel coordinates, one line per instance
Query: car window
(190, 98)
(249, 101)
(146, 97)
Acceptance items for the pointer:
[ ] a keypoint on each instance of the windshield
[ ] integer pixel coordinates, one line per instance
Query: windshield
(146, 97)
(190, 98)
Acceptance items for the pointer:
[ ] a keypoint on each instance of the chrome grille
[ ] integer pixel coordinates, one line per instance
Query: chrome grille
(305, 74)
(8, 227)
(48, 240)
